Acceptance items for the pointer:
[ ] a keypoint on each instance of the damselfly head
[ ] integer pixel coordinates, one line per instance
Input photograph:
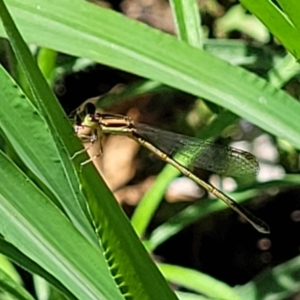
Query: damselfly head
(86, 123)
(81, 112)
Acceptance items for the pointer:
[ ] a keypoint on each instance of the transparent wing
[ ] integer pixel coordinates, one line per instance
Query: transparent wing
(220, 159)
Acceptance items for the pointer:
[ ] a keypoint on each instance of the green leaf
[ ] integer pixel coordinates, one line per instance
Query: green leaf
(187, 20)
(30, 131)
(46, 61)
(30, 221)
(292, 9)
(13, 288)
(283, 71)
(9, 269)
(109, 38)
(138, 278)
(30, 136)
(22, 260)
(278, 22)
(199, 282)
(151, 200)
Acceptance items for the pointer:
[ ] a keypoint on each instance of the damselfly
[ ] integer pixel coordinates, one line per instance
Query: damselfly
(166, 145)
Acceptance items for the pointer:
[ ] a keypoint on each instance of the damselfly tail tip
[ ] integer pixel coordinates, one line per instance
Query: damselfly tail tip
(262, 227)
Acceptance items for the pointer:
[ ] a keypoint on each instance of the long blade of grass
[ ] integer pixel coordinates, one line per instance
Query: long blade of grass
(130, 265)
(16, 256)
(30, 136)
(15, 290)
(199, 282)
(292, 9)
(62, 182)
(277, 22)
(97, 34)
(34, 225)
(187, 20)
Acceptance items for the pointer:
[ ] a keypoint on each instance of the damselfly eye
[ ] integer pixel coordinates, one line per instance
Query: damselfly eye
(89, 109)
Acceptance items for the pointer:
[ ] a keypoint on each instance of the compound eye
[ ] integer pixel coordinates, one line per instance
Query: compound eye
(89, 109)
